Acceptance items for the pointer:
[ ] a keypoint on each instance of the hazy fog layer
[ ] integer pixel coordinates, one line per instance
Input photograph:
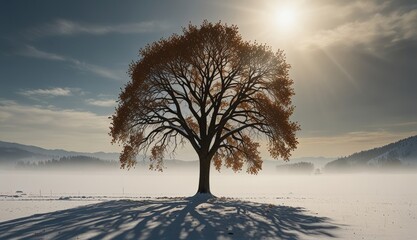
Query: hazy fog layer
(176, 182)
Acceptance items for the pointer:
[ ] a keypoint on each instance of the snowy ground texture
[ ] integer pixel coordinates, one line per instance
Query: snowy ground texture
(172, 218)
(354, 206)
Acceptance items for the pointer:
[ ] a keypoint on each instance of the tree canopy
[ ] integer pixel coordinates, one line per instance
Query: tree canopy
(212, 89)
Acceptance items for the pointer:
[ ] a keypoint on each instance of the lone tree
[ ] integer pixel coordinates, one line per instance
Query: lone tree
(212, 89)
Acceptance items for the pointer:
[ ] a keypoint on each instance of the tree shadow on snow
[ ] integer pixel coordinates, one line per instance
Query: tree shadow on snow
(172, 218)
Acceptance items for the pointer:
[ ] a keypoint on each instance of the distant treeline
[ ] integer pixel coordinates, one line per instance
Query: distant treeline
(301, 167)
(69, 162)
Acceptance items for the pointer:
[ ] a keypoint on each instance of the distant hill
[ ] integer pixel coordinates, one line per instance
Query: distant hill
(11, 155)
(401, 154)
(27, 156)
(12, 152)
(32, 157)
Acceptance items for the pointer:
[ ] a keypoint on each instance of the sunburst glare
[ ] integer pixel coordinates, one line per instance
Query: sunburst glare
(285, 18)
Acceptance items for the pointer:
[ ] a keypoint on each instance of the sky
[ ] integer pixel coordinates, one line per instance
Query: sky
(354, 66)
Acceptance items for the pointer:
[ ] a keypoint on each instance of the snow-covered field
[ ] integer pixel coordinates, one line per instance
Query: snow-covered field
(148, 205)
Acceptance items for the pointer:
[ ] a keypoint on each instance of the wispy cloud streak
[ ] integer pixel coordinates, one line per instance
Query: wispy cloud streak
(101, 102)
(63, 27)
(49, 92)
(31, 51)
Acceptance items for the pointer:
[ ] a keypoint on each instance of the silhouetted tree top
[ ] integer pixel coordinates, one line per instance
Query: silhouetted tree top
(210, 88)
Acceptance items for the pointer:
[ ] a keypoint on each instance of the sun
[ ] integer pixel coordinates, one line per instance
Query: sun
(285, 18)
(283, 21)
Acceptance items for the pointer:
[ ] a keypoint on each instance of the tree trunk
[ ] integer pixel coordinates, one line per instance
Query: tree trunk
(204, 179)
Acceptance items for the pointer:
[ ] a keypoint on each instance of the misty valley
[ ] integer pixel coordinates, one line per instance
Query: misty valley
(400, 156)
(362, 202)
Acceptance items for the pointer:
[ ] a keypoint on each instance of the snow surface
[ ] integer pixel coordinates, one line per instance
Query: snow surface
(148, 205)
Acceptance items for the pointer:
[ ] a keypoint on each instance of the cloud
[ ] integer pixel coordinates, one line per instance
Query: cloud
(102, 102)
(63, 27)
(54, 128)
(31, 51)
(374, 28)
(97, 70)
(49, 92)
